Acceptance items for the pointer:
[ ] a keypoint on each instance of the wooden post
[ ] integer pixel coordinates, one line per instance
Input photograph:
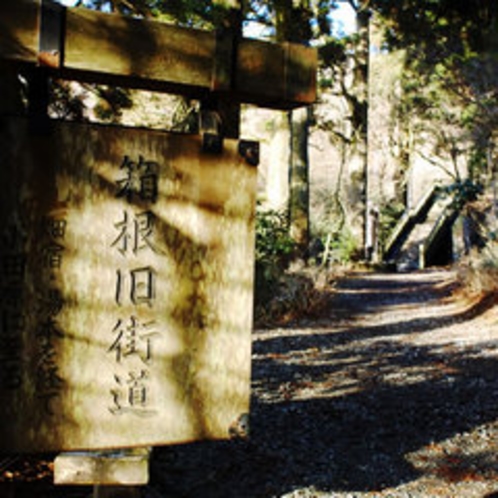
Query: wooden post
(38, 100)
(222, 105)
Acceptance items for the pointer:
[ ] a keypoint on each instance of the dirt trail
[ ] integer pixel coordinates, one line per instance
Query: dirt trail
(393, 391)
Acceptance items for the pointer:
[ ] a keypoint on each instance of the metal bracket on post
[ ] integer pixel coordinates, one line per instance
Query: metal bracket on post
(249, 150)
(210, 127)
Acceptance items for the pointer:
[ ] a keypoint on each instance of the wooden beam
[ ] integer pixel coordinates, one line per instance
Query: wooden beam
(19, 30)
(284, 72)
(137, 53)
(123, 46)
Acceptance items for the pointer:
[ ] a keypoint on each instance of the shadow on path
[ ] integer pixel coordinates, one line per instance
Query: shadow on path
(342, 410)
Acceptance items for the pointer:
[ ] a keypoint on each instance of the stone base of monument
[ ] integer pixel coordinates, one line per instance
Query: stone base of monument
(126, 467)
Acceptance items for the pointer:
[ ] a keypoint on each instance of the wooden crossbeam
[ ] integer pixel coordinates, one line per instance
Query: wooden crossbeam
(137, 53)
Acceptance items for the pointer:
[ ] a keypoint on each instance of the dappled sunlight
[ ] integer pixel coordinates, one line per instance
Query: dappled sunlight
(148, 344)
(387, 391)
(121, 43)
(460, 459)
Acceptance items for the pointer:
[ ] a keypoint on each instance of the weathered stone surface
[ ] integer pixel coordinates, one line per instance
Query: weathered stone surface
(118, 468)
(127, 274)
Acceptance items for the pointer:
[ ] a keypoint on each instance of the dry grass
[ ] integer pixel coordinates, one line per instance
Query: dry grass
(478, 274)
(302, 292)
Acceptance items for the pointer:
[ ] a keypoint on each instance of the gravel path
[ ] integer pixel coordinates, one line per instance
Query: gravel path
(391, 391)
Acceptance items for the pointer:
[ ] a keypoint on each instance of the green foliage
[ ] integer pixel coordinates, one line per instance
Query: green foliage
(70, 102)
(436, 27)
(337, 244)
(333, 51)
(449, 84)
(64, 104)
(273, 242)
(389, 215)
(469, 115)
(477, 162)
(274, 246)
(344, 247)
(463, 192)
(111, 102)
(274, 249)
(191, 13)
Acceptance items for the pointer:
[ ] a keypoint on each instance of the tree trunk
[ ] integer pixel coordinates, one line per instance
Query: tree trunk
(299, 178)
(292, 24)
(277, 180)
(361, 119)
